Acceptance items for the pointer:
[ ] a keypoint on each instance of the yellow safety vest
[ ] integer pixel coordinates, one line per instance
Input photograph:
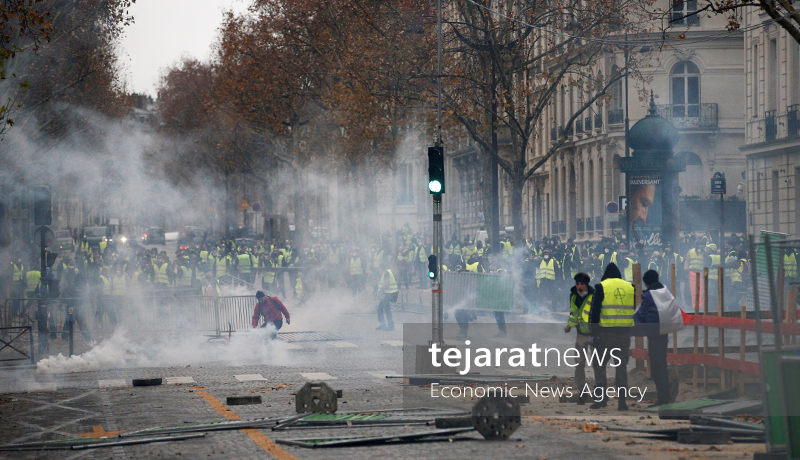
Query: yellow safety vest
(186, 279)
(618, 303)
(712, 271)
(355, 266)
(790, 266)
(389, 284)
(220, 266)
(377, 258)
(204, 255)
(735, 274)
(135, 278)
(33, 278)
(161, 273)
(106, 285)
(120, 285)
(579, 314)
(245, 263)
(268, 276)
(547, 270)
(473, 267)
(628, 275)
(19, 272)
(298, 287)
(695, 261)
(612, 261)
(422, 255)
(103, 245)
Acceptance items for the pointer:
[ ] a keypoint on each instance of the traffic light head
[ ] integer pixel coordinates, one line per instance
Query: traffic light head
(436, 170)
(433, 267)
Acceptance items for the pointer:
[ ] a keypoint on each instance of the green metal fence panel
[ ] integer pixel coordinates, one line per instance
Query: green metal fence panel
(495, 292)
(791, 375)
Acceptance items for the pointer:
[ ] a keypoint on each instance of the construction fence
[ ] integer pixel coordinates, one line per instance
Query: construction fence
(70, 325)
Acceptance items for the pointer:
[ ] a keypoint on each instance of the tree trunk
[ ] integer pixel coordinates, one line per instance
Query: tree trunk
(517, 186)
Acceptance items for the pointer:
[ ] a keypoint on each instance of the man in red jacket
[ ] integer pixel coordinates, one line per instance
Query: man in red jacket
(272, 309)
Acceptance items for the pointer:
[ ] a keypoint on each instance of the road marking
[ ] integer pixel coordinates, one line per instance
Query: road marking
(41, 386)
(318, 376)
(99, 432)
(292, 346)
(113, 383)
(341, 344)
(249, 377)
(394, 343)
(175, 380)
(258, 437)
(382, 374)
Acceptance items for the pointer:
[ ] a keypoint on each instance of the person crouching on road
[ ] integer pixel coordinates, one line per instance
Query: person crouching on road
(580, 303)
(272, 309)
(657, 317)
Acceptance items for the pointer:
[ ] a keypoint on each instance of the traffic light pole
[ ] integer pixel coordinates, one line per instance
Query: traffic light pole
(437, 315)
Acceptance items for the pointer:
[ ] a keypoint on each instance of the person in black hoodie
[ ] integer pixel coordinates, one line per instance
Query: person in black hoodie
(580, 302)
(611, 319)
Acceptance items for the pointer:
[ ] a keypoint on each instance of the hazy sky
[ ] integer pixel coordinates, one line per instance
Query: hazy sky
(166, 30)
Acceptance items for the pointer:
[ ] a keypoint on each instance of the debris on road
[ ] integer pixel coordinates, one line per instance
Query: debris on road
(442, 435)
(92, 443)
(242, 400)
(316, 398)
(147, 382)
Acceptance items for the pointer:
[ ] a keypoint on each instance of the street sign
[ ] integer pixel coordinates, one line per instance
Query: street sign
(612, 212)
(718, 186)
(623, 204)
(256, 206)
(243, 206)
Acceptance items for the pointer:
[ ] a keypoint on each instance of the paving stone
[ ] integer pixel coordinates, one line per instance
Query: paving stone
(179, 379)
(317, 376)
(249, 377)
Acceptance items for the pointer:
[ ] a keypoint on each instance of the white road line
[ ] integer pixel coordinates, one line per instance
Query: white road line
(113, 383)
(41, 386)
(382, 374)
(317, 376)
(249, 377)
(342, 344)
(174, 380)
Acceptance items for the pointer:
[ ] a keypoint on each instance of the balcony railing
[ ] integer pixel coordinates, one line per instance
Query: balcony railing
(689, 116)
(616, 117)
(598, 121)
(587, 123)
(589, 224)
(570, 130)
(579, 125)
(554, 226)
(793, 121)
(598, 222)
(562, 226)
(579, 224)
(770, 127)
(553, 133)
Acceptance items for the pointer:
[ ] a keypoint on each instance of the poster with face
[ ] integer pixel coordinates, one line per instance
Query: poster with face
(644, 208)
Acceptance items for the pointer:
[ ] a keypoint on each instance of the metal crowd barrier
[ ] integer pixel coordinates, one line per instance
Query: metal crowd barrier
(478, 291)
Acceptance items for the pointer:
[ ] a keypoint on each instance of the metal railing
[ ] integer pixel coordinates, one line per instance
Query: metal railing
(688, 116)
(589, 224)
(587, 123)
(579, 125)
(616, 117)
(598, 121)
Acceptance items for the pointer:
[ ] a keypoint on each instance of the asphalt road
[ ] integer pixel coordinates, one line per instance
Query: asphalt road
(44, 406)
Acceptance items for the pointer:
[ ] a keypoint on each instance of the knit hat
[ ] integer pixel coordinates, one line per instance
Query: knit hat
(582, 278)
(650, 277)
(260, 295)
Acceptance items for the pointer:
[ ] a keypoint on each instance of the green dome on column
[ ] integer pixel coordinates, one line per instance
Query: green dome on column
(653, 134)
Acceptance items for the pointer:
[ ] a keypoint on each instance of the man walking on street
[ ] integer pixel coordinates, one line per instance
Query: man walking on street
(656, 318)
(611, 319)
(580, 303)
(388, 288)
(272, 310)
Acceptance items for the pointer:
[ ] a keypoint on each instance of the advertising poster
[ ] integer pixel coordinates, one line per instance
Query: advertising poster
(644, 208)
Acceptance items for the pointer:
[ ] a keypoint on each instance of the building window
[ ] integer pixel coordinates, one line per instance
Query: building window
(691, 182)
(685, 90)
(405, 184)
(683, 12)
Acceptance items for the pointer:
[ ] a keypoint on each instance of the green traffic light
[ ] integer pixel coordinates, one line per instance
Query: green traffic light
(435, 186)
(431, 275)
